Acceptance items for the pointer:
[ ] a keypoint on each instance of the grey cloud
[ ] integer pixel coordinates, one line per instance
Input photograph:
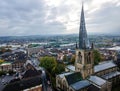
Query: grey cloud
(26, 18)
(29, 17)
(105, 20)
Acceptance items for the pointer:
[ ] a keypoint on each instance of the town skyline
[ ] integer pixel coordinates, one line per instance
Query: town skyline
(59, 61)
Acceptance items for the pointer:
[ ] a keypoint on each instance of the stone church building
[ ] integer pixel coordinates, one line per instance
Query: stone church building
(84, 76)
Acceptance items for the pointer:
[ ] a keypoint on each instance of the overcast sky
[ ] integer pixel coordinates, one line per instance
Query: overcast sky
(36, 17)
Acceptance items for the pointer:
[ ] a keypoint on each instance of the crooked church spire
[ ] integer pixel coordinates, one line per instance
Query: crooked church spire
(83, 40)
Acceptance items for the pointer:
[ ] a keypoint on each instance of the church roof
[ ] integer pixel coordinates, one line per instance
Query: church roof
(97, 81)
(73, 78)
(111, 75)
(80, 84)
(83, 39)
(104, 66)
(64, 74)
(71, 67)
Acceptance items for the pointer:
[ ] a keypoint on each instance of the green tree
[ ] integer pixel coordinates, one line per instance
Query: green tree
(52, 68)
(49, 63)
(72, 61)
(97, 57)
(2, 73)
(1, 61)
(59, 68)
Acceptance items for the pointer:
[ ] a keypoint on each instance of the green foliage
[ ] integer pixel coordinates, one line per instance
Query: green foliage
(2, 73)
(59, 68)
(1, 61)
(33, 45)
(54, 44)
(72, 61)
(97, 57)
(3, 50)
(52, 68)
(53, 80)
(49, 63)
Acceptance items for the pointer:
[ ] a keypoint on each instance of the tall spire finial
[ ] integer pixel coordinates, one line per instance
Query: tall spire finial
(82, 2)
(83, 40)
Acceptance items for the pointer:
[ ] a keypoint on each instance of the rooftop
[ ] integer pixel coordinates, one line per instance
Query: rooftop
(73, 78)
(80, 84)
(111, 75)
(64, 74)
(5, 63)
(5, 80)
(104, 66)
(71, 67)
(23, 84)
(116, 48)
(95, 80)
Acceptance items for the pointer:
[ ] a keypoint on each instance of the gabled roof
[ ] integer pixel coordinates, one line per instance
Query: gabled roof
(73, 78)
(23, 84)
(31, 73)
(5, 80)
(65, 74)
(71, 67)
(104, 66)
(80, 84)
(97, 81)
(111, 75)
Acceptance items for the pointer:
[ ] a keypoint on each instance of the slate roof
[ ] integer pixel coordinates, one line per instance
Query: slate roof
(5, 80)
(30, 73)
(23, 84)
(73, 78)
(6, 54)
(64, 74)
(30, 78)
(111, 75)
(80, 84)
(97, 81)
(104, 66)
(71, 67)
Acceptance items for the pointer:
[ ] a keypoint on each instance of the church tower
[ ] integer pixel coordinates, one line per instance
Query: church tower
(84, 53)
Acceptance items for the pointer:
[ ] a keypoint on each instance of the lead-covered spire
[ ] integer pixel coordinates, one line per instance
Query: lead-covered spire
(83, 40)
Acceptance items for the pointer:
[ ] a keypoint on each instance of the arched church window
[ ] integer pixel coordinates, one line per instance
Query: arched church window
(80, 58)
(89, 58)
(64, 86)
(88, 71)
